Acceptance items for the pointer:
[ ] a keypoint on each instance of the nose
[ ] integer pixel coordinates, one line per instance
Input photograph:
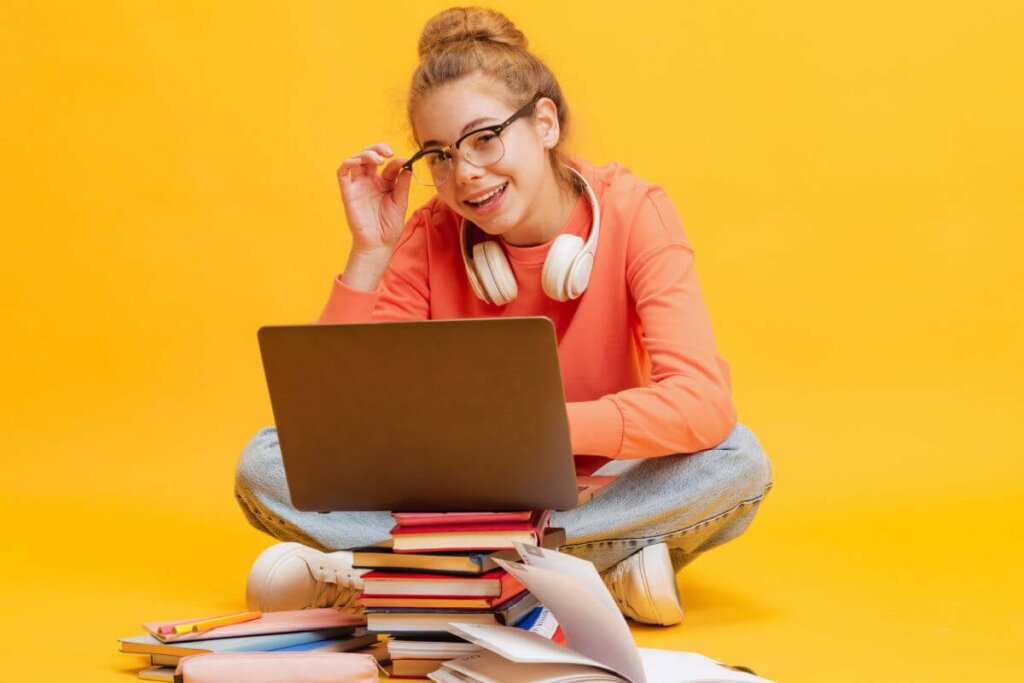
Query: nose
(464, 171)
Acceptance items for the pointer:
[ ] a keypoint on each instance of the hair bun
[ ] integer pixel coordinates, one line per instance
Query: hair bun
(469, 23)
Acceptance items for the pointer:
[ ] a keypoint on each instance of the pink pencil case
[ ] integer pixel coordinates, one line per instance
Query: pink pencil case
(276, 667)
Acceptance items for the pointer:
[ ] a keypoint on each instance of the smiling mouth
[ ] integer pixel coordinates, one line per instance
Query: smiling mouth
(487, 199)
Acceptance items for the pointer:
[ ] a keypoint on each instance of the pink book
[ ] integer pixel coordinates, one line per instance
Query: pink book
(535, 521)
(494, 583)
(269, 622)
(446, 538)
(417, 519)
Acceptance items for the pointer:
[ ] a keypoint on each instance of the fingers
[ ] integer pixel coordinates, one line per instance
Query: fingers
(366, 161)
(374, 153)
(362, 161)
(381, 148)
(393, 169)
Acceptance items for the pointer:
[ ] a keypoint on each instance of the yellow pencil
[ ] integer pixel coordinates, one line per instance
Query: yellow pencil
(207, 624)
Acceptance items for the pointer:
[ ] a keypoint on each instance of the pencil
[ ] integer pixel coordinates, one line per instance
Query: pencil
(207, 624)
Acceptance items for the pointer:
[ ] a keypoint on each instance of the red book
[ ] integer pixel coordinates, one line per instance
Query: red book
(491, 584)
(421, 519)
(445, 538)
(509, 590)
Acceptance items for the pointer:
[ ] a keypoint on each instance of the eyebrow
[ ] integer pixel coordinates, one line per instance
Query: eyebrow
(465, 129)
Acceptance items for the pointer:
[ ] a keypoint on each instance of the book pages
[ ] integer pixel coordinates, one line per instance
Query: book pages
(572, 589)
(669, 666)
(492, 668)
(596, 634)
(518, 645)
(581, 570)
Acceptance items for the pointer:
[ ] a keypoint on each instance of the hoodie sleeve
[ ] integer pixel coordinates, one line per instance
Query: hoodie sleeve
(403, 292)
(687, 406)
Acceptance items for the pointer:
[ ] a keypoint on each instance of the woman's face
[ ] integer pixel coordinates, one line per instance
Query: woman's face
(522, 173)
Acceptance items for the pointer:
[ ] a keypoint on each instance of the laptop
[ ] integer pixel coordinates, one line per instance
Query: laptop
(428, 416)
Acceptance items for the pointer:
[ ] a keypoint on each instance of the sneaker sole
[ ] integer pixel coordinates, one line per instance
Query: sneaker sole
(266, 566)
(656, 569)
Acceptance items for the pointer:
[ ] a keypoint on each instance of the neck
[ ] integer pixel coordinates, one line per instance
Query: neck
(552, 211)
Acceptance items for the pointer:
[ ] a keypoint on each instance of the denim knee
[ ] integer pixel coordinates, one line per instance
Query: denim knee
(259, 460)
(750, 468)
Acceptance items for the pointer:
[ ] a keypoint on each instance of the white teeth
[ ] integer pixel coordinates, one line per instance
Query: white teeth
(481, 200)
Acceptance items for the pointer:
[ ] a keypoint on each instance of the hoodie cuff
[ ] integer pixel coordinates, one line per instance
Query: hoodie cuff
(348, 305)
(595, 428)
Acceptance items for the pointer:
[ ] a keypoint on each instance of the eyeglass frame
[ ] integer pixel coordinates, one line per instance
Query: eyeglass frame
(496, 129)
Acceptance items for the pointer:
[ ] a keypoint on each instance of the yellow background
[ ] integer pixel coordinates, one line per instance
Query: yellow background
(850, 176)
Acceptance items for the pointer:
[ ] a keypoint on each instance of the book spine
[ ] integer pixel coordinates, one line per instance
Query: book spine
(461, 528)
(540, 621)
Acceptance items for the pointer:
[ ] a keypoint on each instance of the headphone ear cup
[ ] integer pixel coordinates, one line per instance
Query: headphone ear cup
(579, 275)
(555, 277)
(483, 274)
(504, 277)
(474, 281)
(494, 273)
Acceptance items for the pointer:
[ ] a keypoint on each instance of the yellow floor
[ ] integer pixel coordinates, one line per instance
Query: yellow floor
(886, 552)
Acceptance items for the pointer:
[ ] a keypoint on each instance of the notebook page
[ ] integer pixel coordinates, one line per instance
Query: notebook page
(589, 625)
(520, 646)
(492, 668)
(667, 666)
(582, 571)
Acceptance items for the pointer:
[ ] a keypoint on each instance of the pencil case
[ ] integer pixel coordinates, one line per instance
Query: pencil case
(275, 667)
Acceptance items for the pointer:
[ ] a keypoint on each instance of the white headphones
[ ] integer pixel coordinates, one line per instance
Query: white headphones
(566, 269)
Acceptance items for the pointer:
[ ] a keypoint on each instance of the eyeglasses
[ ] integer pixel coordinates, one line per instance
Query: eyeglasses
(481, 147)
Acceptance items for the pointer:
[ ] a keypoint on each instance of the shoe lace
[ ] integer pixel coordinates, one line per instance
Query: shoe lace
(337, 588)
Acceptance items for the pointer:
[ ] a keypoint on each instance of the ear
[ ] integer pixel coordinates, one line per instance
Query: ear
(545, 121)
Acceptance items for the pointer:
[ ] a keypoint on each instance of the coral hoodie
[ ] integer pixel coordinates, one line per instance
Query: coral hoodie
(640, 370)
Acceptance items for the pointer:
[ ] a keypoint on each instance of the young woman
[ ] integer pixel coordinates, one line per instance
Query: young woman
(518, 228)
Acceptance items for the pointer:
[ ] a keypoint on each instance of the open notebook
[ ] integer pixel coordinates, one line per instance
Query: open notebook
(600, 646)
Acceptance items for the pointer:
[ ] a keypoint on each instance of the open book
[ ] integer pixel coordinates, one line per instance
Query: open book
(599, 645)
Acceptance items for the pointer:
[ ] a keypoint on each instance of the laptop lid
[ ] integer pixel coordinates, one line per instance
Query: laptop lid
(421, 416)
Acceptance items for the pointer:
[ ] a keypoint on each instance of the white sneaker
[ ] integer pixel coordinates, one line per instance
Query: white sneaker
(289, 576)
(644, 587)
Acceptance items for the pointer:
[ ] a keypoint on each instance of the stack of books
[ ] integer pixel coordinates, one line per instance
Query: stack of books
(442, 567)
(314, 630)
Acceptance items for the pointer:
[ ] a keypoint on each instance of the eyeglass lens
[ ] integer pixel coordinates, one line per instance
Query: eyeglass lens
(480, 149)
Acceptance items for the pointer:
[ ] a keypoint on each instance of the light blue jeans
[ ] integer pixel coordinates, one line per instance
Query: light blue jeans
(691, 502)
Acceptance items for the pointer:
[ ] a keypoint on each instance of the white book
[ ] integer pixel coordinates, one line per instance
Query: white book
(493, 668)
(600, 646)
(429, 649)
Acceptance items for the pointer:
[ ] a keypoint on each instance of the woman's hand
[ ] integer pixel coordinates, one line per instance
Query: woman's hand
(375, 204)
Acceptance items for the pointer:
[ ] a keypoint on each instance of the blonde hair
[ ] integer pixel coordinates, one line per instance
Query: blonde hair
(463, 41)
